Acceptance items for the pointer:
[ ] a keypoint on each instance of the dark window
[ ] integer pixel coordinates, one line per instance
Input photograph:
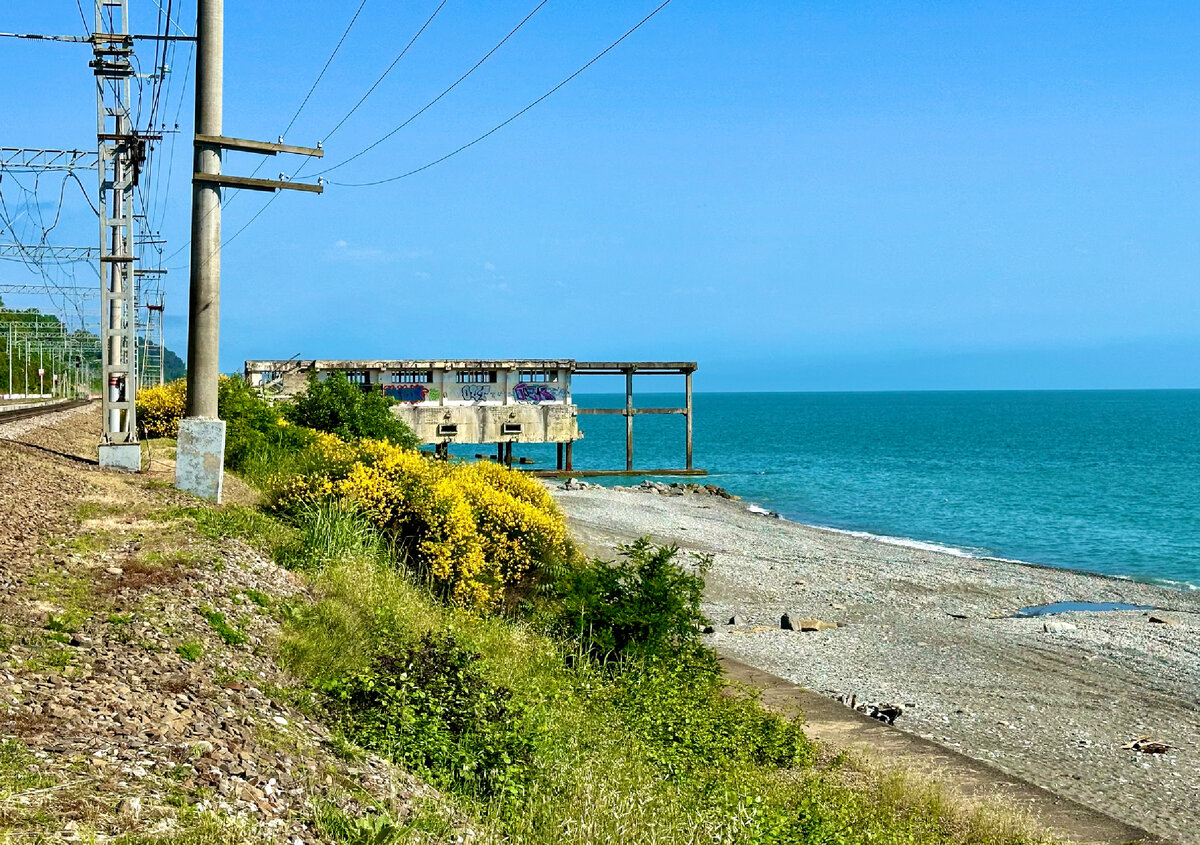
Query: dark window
(358, 377)
(475, 376)
(447, 430)
(539, 376)
(511, 428)
(413, 377)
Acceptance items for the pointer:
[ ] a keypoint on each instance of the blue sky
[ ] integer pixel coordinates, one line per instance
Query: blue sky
(797, 195)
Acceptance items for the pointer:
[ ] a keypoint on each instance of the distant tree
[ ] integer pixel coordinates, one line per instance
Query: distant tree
(339, 407)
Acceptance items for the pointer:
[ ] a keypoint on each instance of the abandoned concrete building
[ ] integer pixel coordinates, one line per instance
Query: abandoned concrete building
(502, 402)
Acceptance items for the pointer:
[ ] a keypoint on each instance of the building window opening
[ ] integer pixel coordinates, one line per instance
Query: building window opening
(475, 376)
(449, 430)
(539, 376)
(511, 428)
(358, 377)
(413, 377)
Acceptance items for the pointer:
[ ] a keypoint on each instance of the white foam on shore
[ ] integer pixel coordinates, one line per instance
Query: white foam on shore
(909, 543)
(928, 546)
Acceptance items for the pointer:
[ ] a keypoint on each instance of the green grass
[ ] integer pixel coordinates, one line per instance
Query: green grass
(641, 754)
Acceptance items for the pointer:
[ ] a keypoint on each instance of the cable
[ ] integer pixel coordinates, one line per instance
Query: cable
(428, 105)
(328, 61)
(500, 126)
(383, 76)
(312, 88)
(87, 29)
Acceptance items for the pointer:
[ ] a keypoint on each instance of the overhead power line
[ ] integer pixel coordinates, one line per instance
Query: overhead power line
(501, 125)
(384, 75)
(328, 61)
(446, 91)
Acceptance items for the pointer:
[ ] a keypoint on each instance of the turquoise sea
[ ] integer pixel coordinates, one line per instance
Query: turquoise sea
(1107, 481)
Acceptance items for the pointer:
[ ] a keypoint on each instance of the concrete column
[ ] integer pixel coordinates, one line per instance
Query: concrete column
(687, 388)
(204, 307)
(629, 419)
(199, 466)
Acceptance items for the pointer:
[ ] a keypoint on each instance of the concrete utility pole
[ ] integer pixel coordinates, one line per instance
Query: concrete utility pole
(204, 307)
(200, 457)
(199, 464)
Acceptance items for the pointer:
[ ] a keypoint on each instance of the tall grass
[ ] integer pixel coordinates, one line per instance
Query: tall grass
(634, 753)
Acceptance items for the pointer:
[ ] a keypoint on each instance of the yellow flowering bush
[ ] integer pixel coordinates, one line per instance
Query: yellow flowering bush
(480, 532)
(159, 409)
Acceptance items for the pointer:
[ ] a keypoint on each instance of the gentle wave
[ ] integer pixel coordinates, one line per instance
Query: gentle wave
(978, 554)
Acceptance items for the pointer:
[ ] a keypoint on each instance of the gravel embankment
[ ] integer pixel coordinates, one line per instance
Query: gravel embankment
(934, 633)
(131, 702)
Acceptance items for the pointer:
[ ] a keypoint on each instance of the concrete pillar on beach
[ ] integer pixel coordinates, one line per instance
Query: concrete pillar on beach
(629, 419)
(687, 404)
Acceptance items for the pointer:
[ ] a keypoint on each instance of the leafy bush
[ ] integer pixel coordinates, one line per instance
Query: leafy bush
(430, 709)
(253, 427)
(642, 604)
(159, 409)
(338, 407)
(480, 534)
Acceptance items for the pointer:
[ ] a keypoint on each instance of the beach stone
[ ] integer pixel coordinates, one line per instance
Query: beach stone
(709, 629)
(816, 625)
(1057, 626)
(736, 620)
(785, 623)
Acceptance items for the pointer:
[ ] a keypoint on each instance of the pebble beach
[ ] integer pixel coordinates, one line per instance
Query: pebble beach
(1059, 700)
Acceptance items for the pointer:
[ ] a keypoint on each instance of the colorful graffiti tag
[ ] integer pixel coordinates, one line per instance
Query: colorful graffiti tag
(477, 393)
(409, 393)
(532, 394)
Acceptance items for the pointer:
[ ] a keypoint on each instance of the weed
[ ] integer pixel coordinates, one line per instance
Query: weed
(230, 634)
(191, 650)
(260, 598)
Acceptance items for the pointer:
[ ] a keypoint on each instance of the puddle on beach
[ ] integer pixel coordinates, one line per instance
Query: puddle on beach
(1068, 606)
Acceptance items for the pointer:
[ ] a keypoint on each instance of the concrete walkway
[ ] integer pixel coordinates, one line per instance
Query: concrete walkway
(838, 726)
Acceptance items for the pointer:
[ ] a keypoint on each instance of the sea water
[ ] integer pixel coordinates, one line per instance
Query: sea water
(1106, 481)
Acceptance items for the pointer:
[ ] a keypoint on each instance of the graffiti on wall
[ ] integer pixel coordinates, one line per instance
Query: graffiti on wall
(532, 394)
(411, 393)
(478, 393)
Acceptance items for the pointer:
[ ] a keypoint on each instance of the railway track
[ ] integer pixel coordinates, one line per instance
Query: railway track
(49, 408)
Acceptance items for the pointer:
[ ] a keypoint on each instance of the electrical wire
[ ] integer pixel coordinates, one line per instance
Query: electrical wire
(328, 62)
(500, 126)
(384, 75)
(446, 91)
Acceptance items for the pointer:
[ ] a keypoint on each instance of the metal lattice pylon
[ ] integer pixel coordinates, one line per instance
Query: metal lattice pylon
(120, 153)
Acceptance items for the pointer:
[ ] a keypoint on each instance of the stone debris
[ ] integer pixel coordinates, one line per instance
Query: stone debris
(736, 620)
(1146, 745)
(576, 484)
(785, 623)
(1057, 626)
(677, 488)
(887, 713)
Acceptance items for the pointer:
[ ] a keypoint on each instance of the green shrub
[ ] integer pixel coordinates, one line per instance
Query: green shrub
(255, 430)
(642, 604)
(338, 407)
(429, 708)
